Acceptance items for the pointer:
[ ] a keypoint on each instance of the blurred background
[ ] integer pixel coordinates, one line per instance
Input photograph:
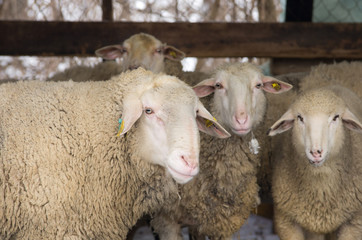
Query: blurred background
(129, 10)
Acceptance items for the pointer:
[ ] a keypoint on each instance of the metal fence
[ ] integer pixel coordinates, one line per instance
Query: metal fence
(337, 11)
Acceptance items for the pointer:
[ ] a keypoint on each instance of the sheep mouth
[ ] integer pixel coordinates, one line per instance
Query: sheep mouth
(241, 131)
(317, 162)
(181, 177)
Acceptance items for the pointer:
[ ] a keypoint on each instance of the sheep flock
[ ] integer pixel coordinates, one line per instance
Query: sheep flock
(92, 150)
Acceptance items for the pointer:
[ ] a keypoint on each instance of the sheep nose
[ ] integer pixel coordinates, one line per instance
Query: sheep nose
(190, 162)
(242, 118)
(316, 153)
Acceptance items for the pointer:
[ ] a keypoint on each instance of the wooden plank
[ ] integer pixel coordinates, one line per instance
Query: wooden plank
(277, 40)
(107, 10)
(299, 11)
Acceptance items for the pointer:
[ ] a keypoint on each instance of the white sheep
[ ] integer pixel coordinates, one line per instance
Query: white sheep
(65, 174)
(217, 202)
(347, 74)
(317, 174)
(140, 50)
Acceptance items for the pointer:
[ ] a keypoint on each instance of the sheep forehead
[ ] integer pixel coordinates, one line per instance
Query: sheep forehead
(239, 68)
(143, 41)
(235, 73)
(319, 101)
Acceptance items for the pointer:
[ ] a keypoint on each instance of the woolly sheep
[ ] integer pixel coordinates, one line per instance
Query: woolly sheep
(65, 174)
(217, 202)
(140, 50)
(347, 74)
(317, 175)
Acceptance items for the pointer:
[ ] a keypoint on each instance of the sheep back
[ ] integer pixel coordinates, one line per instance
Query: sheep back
(64, 171)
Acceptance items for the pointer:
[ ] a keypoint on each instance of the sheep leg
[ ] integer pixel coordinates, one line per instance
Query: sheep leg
(166, 228)
(314, 236)
(352, 229)
(195, 235)
(286, 229)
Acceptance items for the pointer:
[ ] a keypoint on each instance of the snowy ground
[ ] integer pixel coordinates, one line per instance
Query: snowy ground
(256, 228)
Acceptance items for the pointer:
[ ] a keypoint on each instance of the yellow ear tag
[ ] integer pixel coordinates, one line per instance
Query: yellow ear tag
(276, 86)
(121, 127)
(209, 123)
(173, 54)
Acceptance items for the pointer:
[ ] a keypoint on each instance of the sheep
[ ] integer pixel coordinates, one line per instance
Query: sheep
(217, 202)
(347, 74)
(317, 174)
(86, 160)
(140, 50)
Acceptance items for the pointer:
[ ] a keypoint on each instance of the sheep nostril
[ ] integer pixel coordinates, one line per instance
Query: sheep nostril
(189, 162)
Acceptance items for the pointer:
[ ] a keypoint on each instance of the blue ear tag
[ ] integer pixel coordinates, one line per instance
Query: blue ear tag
(121, 127)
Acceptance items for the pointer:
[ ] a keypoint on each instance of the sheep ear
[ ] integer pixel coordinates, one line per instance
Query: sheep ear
(110, 52)
(283, 124)
(173, 53)
(205, 87)
(132, 111)
(208, 124)
(351, 121)
(273, 85)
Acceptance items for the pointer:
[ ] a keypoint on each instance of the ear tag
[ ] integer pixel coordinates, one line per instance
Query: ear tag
(276, 86)
(121, 127)
(209, 123)
(173, 54)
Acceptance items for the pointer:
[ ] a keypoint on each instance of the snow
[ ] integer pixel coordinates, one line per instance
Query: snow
(256, 228)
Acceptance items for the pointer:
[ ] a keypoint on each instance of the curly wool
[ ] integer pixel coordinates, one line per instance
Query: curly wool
(219, 200)
(64, 173)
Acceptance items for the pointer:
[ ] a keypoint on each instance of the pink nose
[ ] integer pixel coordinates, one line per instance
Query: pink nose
(241, 119)
(316, 153)
(189, 162)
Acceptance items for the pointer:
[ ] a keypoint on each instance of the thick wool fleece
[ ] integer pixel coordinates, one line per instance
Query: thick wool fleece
(217, 202)
(64, 172)
(347, 74)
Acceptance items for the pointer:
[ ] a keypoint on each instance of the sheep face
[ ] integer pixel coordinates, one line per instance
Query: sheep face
(168, 115)
(239, 99)
(318, 119)
(141, 50)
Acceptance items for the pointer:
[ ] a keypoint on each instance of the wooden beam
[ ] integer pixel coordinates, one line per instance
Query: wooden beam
(107, 10)
(277, 40)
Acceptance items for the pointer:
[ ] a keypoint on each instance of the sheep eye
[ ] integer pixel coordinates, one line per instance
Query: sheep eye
(158, 50)
(336, 117)
(300, 118)
(259, 85)
(124, 50)
(218, 85)
(148, 111)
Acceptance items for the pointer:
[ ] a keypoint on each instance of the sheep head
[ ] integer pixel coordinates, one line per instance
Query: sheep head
(168, 115)
(141, 50)
(318, 118)
(239, 100)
